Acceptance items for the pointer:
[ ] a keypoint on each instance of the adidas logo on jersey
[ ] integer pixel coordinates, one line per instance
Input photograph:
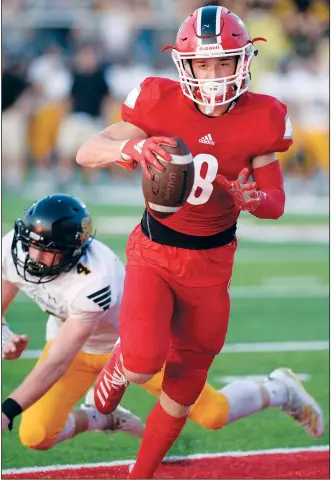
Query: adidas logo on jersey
(207, 139)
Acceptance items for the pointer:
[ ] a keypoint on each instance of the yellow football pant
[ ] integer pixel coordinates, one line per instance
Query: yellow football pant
(43, 421)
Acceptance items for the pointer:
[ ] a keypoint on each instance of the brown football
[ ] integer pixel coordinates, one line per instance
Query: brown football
(167, 192)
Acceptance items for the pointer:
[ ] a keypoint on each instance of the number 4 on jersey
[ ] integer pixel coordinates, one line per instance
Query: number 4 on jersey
(203, 186)
(82, 269)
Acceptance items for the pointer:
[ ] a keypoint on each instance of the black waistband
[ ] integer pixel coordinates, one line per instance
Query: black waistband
(159, 233)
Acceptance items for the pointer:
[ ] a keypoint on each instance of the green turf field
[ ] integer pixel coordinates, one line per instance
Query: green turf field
(279, 294)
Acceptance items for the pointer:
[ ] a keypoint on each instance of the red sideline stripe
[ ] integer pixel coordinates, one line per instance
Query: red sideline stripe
(301, 465)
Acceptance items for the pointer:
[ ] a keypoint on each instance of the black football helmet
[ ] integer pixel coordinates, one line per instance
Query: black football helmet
(60, 224)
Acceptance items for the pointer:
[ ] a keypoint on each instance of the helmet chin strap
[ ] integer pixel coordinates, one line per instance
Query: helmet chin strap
(209, 110)
(210, 98)
(210, 107)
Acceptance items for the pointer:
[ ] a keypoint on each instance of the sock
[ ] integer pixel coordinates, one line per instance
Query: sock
(67, 431)
(161, 432)
(244, 398)
(277, 392)
(96, 420)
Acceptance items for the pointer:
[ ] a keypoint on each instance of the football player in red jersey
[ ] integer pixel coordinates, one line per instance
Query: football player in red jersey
(176, 304)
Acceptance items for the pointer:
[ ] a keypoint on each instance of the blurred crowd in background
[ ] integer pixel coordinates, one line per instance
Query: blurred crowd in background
(67, 65)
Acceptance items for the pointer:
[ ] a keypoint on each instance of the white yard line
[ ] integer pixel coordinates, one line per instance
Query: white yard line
(263, 347)
(247, 230)
(280, 291)
(276, 255)
(130, 194)
(286, 233)
(196, 456)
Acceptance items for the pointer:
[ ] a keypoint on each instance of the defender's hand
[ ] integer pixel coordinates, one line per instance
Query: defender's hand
(244, 193)
(14, 346)
(143, 152)
(4, 422)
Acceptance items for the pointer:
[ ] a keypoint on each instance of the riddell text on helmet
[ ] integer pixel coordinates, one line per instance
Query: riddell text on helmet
(203, 48)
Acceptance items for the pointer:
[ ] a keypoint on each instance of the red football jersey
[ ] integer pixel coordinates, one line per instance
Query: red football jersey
(256, 125)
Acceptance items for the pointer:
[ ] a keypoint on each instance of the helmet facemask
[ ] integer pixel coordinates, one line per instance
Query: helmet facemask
(64, 259)
(214, 92)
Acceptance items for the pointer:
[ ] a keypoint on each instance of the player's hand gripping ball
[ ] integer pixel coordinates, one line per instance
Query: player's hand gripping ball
(167, 190)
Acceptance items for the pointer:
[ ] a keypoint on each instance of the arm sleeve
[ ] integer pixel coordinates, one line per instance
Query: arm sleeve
(270, 184)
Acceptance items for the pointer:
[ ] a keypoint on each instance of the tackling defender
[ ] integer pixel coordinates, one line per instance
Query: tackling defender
(52, 257)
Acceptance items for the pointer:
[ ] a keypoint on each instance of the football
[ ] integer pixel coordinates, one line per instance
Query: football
(167, 191)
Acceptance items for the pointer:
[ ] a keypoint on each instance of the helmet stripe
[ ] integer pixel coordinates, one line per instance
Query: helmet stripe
(208, 24)
(218, 24)
(199, 26)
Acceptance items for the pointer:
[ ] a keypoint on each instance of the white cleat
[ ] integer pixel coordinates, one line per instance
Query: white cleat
(121, 419)
(300, 405)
